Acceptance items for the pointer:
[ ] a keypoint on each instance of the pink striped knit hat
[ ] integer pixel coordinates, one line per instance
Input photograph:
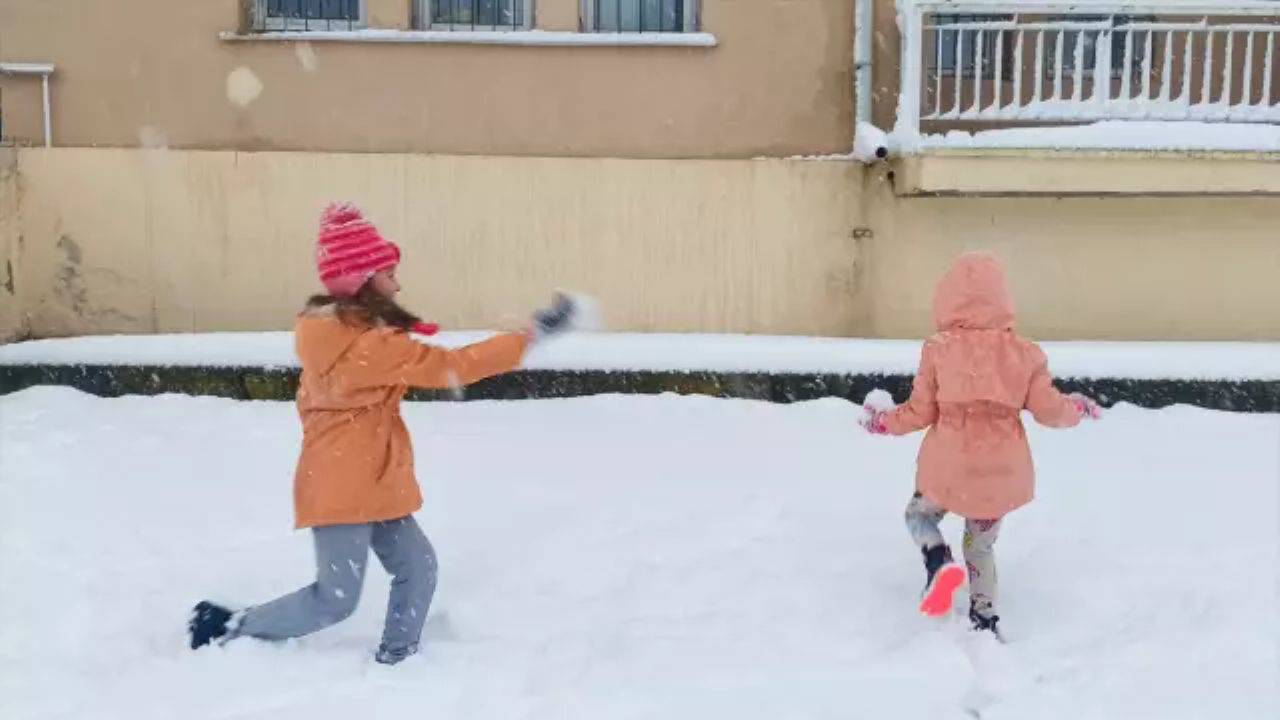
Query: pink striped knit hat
(349, 250)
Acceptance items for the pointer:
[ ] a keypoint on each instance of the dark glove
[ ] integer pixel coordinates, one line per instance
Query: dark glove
(554, 320)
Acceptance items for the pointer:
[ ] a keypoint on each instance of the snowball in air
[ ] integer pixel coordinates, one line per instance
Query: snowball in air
(306, 56)
(243, 86)
(152, 138)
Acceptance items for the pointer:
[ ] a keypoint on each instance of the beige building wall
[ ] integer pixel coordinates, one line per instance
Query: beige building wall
(12, 322)
(144, 241)
(479, 161)
(152, 72)
(1119, 268)
(779, 83)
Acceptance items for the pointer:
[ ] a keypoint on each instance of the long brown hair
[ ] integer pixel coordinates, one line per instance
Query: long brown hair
(367, 307)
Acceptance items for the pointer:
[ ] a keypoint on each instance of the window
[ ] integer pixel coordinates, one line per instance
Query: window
(640, 15)
(308, 15)
(1092, 38)
(967, 41)
(475, 14)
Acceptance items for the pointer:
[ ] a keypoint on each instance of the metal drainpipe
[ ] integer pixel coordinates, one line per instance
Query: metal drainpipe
(44, 70)
(863, 42)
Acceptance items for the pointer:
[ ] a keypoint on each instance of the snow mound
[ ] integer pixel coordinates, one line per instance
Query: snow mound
(683, 352)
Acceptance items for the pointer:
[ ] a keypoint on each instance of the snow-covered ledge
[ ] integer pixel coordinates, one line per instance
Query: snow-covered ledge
(535, 38)
(1105, 158)
(1086, 173)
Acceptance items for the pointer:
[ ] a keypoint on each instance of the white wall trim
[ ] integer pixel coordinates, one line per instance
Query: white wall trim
(485, 37)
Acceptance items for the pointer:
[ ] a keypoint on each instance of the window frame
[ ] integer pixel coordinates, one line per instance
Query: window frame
(260, 21)
(947, 67)
(692, 19)
(423, 12)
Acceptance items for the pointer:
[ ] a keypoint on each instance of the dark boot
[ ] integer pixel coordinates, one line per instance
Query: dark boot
(934, 558)
(985, 623)
(388, 656)
(208, 623)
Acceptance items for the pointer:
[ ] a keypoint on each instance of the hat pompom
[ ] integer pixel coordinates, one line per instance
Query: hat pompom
(340, 213)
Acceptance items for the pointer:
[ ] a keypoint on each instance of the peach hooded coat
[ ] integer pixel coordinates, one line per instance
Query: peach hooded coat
(976, 376)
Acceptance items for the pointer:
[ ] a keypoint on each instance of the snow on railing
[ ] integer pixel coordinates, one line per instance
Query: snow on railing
(1009, 61)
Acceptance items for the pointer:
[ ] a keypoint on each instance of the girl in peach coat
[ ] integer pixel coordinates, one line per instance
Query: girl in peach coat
(976, 377)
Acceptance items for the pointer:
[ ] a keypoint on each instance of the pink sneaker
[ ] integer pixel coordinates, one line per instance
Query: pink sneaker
(937, 597)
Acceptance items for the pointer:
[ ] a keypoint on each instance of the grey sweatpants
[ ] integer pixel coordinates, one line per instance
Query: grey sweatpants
(923, 518)
(342, 552)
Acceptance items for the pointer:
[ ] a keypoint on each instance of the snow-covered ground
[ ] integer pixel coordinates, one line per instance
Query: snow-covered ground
(637, 557)
(679, 352)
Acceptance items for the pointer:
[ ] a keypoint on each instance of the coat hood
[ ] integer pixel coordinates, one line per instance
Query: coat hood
(973, 295)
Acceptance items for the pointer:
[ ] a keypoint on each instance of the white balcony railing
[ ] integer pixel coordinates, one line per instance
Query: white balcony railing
(1050, 61)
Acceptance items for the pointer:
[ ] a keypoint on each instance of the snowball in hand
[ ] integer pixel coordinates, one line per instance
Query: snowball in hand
(879, 400)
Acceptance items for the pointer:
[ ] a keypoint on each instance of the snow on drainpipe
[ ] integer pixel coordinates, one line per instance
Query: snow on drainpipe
(870, 144)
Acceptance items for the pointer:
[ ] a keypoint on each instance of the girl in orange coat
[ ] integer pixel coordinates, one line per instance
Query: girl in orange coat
(355, 486)
(976, 376)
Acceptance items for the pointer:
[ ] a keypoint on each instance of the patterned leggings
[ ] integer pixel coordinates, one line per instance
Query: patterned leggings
(923, 518)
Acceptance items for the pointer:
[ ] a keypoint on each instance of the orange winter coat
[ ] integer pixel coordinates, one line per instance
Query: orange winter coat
(976, 376)
(356, 464)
